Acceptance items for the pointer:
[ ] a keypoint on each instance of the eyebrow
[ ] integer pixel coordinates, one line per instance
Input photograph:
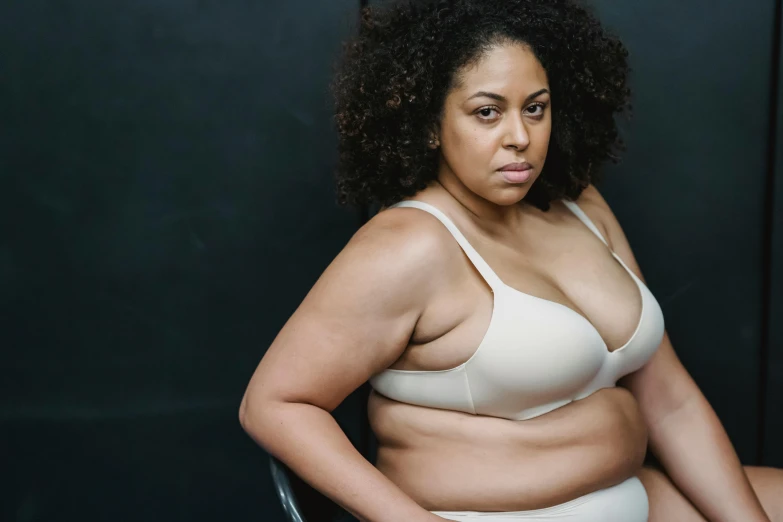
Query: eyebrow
(500, 98)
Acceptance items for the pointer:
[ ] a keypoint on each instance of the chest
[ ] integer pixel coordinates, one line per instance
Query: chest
(577, 271)
(568, 269)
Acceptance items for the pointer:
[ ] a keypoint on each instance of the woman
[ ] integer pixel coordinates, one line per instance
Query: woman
(494, 303)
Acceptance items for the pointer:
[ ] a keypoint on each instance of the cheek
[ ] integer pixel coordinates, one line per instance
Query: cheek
(541, 138)
(545, 139)
(469, 149)
(473, 141)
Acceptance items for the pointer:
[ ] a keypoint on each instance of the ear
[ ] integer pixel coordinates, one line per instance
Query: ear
(433, 141)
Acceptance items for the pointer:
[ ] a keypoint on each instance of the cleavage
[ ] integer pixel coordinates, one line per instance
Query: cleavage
(476, 304)
(601, 291)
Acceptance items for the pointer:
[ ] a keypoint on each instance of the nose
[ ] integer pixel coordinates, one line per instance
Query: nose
(516, 135)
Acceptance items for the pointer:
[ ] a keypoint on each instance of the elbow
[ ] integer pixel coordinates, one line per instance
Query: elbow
(254, 416)
(248, 415)
(243, 413)
(263, 418)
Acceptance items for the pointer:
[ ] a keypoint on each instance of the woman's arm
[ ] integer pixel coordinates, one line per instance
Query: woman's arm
(689, 440)
(356, 320)
(685, 434)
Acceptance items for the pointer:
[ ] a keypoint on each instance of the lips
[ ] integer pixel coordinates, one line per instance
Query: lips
(517, 172)
(516, 167)
(516, 176)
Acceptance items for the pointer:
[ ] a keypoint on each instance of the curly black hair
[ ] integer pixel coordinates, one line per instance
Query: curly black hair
(392, 80)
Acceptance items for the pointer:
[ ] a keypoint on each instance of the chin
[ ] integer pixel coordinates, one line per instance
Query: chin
(510, 194)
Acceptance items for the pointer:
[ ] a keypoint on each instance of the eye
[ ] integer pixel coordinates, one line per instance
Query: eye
(540, 114)
(485, 113)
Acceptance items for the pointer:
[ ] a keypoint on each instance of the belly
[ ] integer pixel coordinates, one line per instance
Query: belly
(452, 461)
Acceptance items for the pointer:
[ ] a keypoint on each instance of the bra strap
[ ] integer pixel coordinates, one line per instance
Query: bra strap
(483, 268)
(573, 207)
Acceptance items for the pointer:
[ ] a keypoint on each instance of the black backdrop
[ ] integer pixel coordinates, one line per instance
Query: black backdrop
(166, 201)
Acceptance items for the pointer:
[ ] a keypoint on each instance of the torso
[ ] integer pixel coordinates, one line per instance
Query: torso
(451, 461)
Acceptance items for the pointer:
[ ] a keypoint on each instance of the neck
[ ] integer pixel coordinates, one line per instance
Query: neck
(491, 217)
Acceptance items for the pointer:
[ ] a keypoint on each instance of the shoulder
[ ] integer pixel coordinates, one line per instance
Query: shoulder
(597, 209)
(407, 232)
(593, 203)
(400, 247)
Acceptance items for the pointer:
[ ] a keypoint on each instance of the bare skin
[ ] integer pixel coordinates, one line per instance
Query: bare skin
(499, 114)
(451, 461)
(668, 503)
(402, 294)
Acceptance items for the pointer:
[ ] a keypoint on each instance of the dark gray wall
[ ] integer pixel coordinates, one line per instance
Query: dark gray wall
(166, 201)
(690, 190)
(773, 450)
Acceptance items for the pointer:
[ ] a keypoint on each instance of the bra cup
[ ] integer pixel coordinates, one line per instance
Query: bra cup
(535, 353)
(645, 340)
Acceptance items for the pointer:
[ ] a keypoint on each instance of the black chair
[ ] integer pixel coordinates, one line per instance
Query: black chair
(284, 491)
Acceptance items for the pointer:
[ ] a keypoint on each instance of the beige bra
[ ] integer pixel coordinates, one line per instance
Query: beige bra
(537, 355)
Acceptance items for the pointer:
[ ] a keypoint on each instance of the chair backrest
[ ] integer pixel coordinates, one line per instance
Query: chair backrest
(284, 491)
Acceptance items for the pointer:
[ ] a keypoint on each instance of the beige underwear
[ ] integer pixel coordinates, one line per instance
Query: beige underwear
(625, 502)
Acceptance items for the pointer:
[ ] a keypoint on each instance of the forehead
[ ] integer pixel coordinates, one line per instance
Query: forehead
(504, 66)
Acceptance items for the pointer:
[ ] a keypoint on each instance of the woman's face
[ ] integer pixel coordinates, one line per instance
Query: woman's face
(496, 118)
